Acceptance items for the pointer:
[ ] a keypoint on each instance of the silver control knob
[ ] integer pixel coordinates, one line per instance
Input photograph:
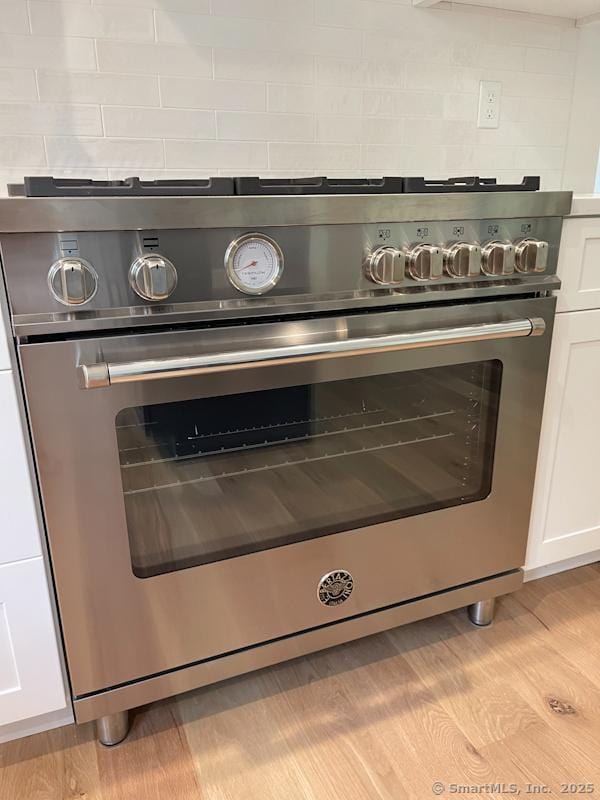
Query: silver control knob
(153, 277)
(498, 258)
(531, 255)
(462, 260)
(72, 281)
(386, 266)
(425, 262)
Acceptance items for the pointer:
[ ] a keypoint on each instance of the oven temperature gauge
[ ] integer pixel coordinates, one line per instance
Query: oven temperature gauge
(254, 263)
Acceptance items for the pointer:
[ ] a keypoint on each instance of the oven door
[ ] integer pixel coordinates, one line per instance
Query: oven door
(199, 484)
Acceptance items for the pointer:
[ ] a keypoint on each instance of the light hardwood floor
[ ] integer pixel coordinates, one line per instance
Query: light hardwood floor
(438, 700)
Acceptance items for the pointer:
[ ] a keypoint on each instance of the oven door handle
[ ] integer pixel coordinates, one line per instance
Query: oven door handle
(104, 374)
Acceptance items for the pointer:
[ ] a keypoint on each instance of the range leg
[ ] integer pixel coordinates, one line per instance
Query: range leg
(113, 728)
(482, 613)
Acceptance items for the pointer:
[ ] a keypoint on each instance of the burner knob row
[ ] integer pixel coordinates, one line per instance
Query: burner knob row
(425, 262)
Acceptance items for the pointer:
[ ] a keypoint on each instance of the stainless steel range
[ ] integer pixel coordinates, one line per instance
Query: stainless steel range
(272, 416)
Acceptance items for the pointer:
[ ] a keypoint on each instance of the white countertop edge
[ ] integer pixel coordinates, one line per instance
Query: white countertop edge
(585, 205)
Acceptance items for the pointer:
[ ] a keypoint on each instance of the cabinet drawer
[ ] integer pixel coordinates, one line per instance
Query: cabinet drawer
(31, 680)
(579, 264)
(18, 519)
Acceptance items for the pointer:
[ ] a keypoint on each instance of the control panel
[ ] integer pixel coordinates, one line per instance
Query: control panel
(296, 266)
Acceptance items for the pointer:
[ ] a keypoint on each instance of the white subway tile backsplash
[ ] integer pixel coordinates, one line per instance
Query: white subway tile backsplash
(154, 59)
(414, 160)
(263, 65)
(198, 87)
(110, 22)
(46, 52)
(294, 11)
(337, 128)
(22, 150)
(179, 92)
(539, 158)
(475, 159)
(464, 107)
(193, 6)
(543, 110)
(553, 62)
(500, 56)
(356, 72)
(530, 84)
(368, 15)
(384, 130)
(428, 131)
(441, 78)
(42, 118)
(17, 84)
(317, 99)
(13, 17)
(403, 104)
(295, 99)
(216, 155)
(317, 156)
(265, 127)
(77, 151)
(158, 123)
(96, 87)
(338, 100)
(254, 33)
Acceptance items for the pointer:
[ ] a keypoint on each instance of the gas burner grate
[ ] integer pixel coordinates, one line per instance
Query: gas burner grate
(318, 185)
(45, 186)
(530, 183)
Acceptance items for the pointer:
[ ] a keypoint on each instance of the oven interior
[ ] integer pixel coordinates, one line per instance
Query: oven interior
(213, 478)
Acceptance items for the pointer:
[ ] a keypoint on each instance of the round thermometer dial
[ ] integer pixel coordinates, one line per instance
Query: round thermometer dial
(254, 263)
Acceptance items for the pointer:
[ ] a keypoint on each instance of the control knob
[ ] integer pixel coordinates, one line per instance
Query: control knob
(498, 258)
(531, 255)
(386, 266)
(462, 260)
(153, 277)
(72, 281)
(425, 262)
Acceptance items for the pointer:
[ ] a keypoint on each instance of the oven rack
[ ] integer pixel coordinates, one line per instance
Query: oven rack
(252, 429)
(268, 467)
(286, 440)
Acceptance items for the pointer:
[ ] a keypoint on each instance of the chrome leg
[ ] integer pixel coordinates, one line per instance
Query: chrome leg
(482, 613)
(113, 728)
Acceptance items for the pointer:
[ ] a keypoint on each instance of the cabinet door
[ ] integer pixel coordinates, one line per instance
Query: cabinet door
(565, 519)
(20, 537)
(31, 681)
(579, 264)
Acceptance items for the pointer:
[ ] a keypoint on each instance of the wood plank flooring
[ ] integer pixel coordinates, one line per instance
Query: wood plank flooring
(385, 717)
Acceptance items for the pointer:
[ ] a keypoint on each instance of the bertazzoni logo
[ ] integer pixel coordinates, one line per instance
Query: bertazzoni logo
(335, 587)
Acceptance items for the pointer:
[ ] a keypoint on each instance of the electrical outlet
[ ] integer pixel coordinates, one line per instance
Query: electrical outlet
(490, 93)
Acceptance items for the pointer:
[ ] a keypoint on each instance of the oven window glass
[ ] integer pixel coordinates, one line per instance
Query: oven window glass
(210, 479)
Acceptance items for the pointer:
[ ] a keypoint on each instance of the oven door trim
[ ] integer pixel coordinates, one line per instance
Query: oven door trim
(120, 628)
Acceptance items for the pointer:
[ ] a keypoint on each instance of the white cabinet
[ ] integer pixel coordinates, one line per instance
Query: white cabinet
(579, 265)
(32, 688)
(31, 682)
(565, 520)
(19, 532)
